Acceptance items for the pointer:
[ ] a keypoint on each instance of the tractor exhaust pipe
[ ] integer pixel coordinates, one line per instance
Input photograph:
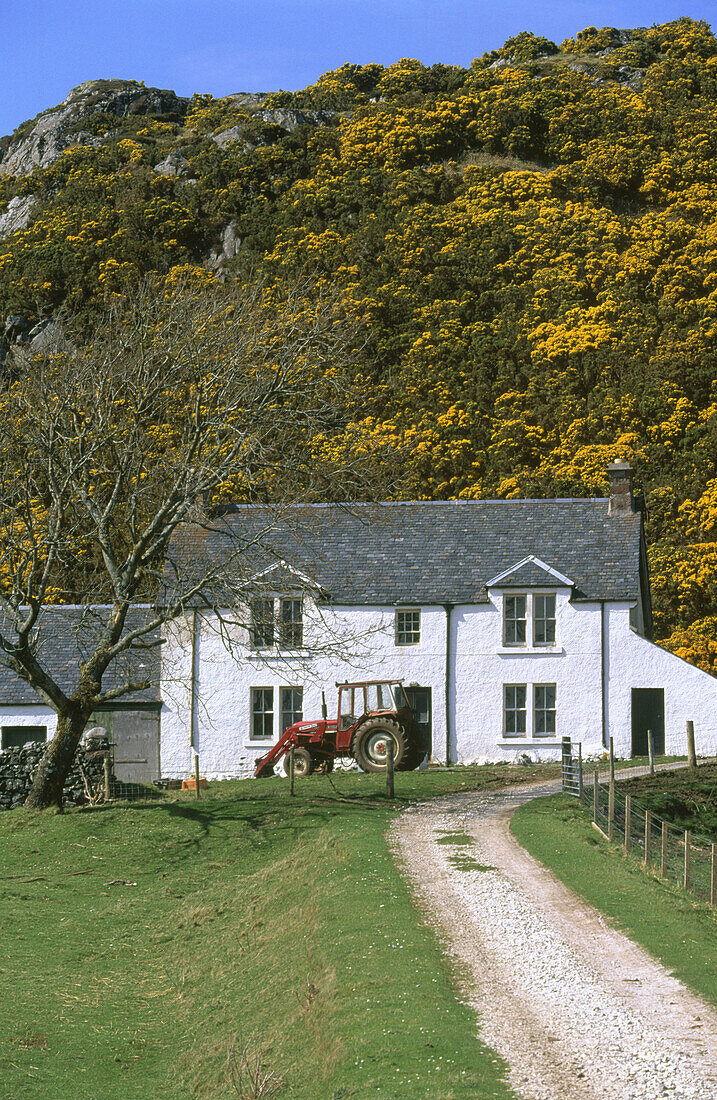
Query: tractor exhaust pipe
(324, 708)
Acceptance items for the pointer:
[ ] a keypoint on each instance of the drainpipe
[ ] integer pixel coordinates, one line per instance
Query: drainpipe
(193, 687)
(448, 681)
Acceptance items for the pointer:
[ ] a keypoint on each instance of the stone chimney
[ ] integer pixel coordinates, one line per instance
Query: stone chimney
(620, 477)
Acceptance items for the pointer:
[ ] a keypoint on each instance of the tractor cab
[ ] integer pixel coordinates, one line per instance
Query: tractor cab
(369, 698)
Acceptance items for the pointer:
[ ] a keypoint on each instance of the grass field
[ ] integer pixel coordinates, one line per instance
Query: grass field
(675, 928)
(686, 798)
(143, 943)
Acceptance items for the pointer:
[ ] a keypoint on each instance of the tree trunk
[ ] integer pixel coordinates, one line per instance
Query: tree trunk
(52, 770)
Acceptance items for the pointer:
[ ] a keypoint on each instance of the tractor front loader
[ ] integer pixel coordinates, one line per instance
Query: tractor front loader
(369, 714)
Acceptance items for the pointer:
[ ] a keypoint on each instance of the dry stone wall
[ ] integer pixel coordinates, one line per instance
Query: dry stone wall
(18, 766)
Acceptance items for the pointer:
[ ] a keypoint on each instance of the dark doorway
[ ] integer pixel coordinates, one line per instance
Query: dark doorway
(648, 713)
(420, 701)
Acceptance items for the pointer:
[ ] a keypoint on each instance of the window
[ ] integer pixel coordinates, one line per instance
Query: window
(12, 737)
(514, 710)
(544, 710)
(515, 611)
(543, 620)
(517, 722)
(292, 623)
(408, 627)
(529, 617)
(262, 622)
(262, 713)
(292, 706)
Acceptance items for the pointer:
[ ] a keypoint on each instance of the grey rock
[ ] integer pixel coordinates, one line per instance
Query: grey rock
(57, 128)
(230, 243)
(18, 214)
(226, 137)
(499, 64)
(173, 165)
(290, 119)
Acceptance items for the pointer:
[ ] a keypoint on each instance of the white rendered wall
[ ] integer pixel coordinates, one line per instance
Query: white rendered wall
(30, 716)
(343, 643)
(633, 662)
(483, 666)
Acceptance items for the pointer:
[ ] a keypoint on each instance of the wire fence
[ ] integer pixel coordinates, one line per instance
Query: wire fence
(675, 854)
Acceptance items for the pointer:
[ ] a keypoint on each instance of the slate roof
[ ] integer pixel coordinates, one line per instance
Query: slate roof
(68, 634)
(421, 552)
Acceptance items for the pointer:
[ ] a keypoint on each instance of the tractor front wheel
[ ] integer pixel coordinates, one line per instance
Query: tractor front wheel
(303, 764)
(370, 745)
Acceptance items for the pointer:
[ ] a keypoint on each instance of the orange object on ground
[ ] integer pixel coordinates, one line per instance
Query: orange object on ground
(191, 784)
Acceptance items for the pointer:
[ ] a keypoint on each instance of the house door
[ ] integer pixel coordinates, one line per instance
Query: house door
(648, 713)
(420, 701)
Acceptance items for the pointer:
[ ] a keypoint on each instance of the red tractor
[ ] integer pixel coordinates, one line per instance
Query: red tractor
(369, 714)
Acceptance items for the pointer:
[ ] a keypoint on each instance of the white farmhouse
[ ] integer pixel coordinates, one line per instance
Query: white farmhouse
(513, 623)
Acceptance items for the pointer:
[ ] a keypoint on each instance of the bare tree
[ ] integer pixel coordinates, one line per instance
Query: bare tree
(177, 399)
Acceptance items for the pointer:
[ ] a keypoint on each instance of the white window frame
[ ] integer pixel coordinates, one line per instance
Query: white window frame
(545, 710)
(282, 710)
(291, 630)
(272, 630)
(515, 710)
(515, 618)
(402, 632)
(265, 626)
(530, 695)
(530, 620)
(254, 713)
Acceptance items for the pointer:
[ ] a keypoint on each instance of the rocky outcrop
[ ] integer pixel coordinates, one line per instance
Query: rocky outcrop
(18, 214)
(286, 118)
(230, 243)
(173, 165)
(39, 143)
(21, 339)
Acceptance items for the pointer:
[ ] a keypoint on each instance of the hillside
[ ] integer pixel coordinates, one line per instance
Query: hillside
(531, 240)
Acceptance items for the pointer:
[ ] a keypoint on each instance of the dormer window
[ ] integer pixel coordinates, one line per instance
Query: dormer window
(515, 620)
(266, 629)
(544, 619)
(529, 616)
(262, 623)
(291, 623)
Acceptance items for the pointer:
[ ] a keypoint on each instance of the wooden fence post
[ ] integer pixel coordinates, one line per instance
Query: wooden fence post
(196, 773)
(713, 876)
(611, 810)
(595, 794)
(580, 772)
(686, 876)
(612, 761)
(628, 811)
(663, 849)
(291, 771)
(691, 754)
(389, 767)
(108, 784)
(651, 751)
(648, 828)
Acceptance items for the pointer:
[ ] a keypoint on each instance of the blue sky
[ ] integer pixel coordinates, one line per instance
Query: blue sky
(223, 46)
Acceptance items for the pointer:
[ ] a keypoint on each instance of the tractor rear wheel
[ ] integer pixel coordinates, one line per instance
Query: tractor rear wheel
(303, 764)
(370, 744)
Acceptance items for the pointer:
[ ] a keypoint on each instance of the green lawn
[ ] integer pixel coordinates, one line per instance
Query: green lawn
(142, 943)
(675, 928)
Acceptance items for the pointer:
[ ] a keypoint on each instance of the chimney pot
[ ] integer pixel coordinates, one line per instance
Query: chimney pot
(620, 477)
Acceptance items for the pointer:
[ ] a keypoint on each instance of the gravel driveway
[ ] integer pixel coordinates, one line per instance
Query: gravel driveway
(575, 1008)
